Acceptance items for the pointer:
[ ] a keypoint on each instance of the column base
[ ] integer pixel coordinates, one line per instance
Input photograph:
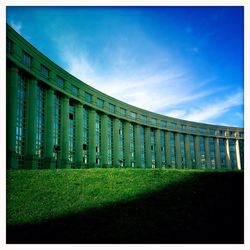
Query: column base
(92, 165)
(30, 162)
(79, 164)
(65, 164)
(12, 162)
(49, 163)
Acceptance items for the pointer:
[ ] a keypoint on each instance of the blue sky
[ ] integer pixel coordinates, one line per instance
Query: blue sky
(184, 62)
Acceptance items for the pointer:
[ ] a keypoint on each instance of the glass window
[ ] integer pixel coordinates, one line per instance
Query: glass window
(241, 134)
(123, 111)
(44, 71)
(202, 152)
(192, 151)
(163, 124)
(173, 125)
(143, 118)
(9, 45)
(59, 81)
(222, 153)
(183, 127)
(100, 103)
(133, 115)
(221, 132)
(182, 149)
(74, 90)
(211, 131)
(172, 150)
(112, 108)
(88, 97)
(231, 133)
(202, 130)
(192, 129)
(154, 121)
(142, 147)
(26, 59)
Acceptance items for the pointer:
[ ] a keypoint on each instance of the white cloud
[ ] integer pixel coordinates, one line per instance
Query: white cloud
(151, 82)
(17, 26)
(209, 112)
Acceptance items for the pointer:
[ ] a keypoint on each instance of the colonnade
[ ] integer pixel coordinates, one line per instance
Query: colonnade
(47, 157)
(46, 126)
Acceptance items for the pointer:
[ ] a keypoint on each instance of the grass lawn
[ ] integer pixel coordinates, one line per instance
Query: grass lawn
(124, 206)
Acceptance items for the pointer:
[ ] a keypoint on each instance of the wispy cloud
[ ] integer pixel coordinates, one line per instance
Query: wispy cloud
(17, 26)
(153, 82)
(210, 111)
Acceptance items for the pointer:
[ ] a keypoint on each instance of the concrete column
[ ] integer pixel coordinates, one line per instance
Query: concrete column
(207, 152)
(104, 139)
(17, 52)
(48, 129)
(79, 135)
(227, 151)
(30, 154)
(217, 153)
(148, 148)
(197, 151)
(137, 146)
(158, 161)
(116, 142)
(64, 132)
(187, 151)
(177, 150)
(237, 151)
(12, 87)
(35, 66)
(92, 138)
(168, 151)
(127, 144)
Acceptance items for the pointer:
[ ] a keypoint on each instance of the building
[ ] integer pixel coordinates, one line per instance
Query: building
(56, 121)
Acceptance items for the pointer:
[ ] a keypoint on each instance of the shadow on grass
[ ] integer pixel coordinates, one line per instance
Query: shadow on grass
(206, 209)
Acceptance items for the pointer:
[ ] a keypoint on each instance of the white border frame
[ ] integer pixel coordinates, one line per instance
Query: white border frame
(3, 5)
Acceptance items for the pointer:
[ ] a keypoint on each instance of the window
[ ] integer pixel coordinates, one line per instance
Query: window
(74, 90)
(182, 149)
(202, 152)
(221, 132)
(44, 71)
(172, 150)
(26, 59)
(59, 81)
(212, 152)
(192, 151)
(241, 134)
(142, 146)
(222, 152)
(211, 131)
(100, 103)
(112, 108)
(88, 97)
(154, 121)
(192, 129)
(9, 45)
(231, 133)
(143, 118)
(173, 125)
(133, 115)
(163, 124)
(202, 130)
(183, 127)
(123, 111)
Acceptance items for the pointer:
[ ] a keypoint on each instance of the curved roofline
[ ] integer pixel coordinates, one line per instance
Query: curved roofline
(74, 80)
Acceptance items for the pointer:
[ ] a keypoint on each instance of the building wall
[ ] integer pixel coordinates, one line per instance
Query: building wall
(56, 121)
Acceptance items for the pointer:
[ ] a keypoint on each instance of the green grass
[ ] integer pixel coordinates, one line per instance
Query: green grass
(110, 205)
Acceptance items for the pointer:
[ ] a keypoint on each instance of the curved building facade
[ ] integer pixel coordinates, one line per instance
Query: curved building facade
(55, 120)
